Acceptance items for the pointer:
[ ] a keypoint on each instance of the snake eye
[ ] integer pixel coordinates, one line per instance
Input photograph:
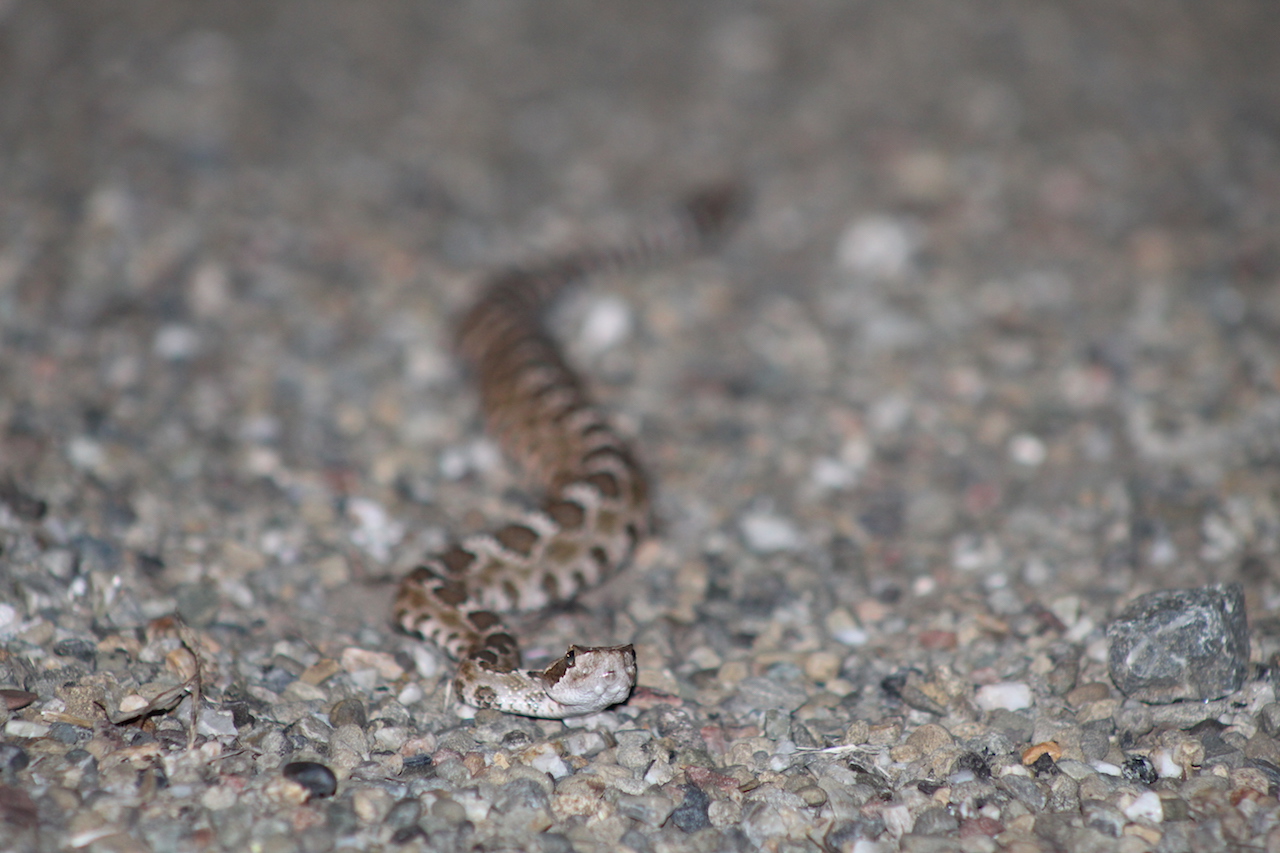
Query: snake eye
(568, 657)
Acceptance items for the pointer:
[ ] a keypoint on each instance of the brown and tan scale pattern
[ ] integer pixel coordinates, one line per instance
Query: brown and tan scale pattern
(596, 497)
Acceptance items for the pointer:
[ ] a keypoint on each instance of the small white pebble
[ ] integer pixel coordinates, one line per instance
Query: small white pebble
(1146, 807)
(85, 453)
(216, 723)
(832, 474)
(355, 658)
(260, 429)
(1165, 766)
(8, 620)
(1026, 449)
(843, 628)
(210, 289)
(853, 636)
(765, 532)
(1162, 551)
(1106, 768)
(1037, 572)
(923, 585)
(1082, 628)
(25, 728)
(1066, 608)
(1009, 695)
(376, 532)
(176, 342)
(261, 461)
(545, 758)
(410, 694)
(608, 322)
(897, 819)
(879, 246)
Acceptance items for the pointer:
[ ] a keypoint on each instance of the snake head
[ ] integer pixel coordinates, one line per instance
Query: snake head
(592, 679)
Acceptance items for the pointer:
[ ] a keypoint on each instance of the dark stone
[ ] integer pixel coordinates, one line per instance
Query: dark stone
(1271, 771)
(1181, 644)
(404, 813)
(976, 764)
(316, 778)
(68, 734)
(419, 765)
(1174, 809)
(241, 716)
(76, 648)
(16, 700)
(1045, 766)
(1140, 769)
(349, 710)
(908, 685)
(13, 758)
(691, 814)
(22, 503)
(277, 678)
(341, 818)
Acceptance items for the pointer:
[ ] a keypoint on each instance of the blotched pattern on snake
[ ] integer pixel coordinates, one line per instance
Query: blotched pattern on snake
(596, 497)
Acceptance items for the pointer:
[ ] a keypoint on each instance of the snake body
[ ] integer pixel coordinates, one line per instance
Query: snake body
(595, 495)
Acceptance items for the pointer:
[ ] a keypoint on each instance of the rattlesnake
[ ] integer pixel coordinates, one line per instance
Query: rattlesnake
(596, 497)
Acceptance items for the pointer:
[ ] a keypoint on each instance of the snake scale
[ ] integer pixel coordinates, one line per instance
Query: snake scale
(595, 495)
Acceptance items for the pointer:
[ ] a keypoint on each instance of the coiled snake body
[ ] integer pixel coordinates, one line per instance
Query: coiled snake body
(596, 503)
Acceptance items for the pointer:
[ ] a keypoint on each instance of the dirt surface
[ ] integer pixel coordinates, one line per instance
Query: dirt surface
(996, 350)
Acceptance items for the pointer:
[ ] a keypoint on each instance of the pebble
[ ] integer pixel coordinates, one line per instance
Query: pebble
(877, 246)
(649, 809)
(349, 711)
(1145, 807)
(16, 700)
(318, 780)
(691, 815)
(765, 694)
(1182, 644)
(1008, 696)
(766, 533)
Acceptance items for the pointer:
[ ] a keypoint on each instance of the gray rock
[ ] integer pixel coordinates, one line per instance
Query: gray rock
(1018, 727)
(1269, 718)
(1095, 739)
(1103, 817)
(1025, 790)
(936, 821)
(652, 809)
(1181, 644)
(763, 694)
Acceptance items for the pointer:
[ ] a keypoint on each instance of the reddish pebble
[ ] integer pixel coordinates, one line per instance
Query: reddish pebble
(981, 826)
(937, 641)
(17, 699)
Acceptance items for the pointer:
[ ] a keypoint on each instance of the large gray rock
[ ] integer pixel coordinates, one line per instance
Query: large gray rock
(1181, 644)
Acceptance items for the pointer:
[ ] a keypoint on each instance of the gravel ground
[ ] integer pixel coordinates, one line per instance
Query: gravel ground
(996, 352)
